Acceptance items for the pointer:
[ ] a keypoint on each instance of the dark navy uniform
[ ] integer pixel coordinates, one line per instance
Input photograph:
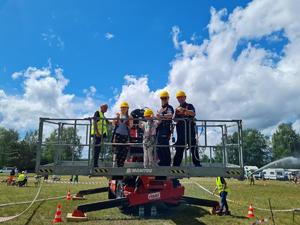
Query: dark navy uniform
(186, 134)
(164, 131)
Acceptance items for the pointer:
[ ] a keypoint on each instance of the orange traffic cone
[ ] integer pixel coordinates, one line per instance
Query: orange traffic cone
(250, 211)
(57, 218)
(69, 197)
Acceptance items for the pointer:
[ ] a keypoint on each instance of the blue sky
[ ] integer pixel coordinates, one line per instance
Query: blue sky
(75, 39)
(234, 59)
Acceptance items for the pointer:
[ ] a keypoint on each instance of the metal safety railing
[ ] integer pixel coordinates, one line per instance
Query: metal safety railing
(68, 142)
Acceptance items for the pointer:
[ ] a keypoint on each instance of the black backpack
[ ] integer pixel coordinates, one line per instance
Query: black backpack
(137, 114)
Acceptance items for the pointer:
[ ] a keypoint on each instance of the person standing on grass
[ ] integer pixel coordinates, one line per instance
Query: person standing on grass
(222, 188)
(251, 179)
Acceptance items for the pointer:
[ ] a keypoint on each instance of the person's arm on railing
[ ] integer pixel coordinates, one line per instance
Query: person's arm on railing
(116, 121)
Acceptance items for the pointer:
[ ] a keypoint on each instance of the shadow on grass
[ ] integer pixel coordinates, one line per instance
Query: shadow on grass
(33, 213)
(113, 219)
(187, 214)
(239, 217)
(179, 215)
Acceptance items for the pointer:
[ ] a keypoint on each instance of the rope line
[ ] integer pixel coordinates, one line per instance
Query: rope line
(8, 218)
(239, 203)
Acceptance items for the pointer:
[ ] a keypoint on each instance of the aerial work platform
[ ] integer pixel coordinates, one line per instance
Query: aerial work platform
(65, 147)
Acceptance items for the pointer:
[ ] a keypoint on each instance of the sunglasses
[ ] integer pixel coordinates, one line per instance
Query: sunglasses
(164, 98)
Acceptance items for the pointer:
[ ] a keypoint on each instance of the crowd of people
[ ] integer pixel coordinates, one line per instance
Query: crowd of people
(157, 130)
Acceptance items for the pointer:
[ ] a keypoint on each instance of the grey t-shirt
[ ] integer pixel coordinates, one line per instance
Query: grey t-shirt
(122, 128)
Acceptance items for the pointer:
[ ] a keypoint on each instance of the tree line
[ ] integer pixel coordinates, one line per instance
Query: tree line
(258, 149)
(21, 152)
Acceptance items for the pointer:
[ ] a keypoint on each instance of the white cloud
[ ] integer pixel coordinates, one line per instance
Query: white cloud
(15, 75)
(109, 36)
(2, 94)
(44, 96)
(137, 93)
(194, 37)
(53, 39)
(175, 32)
(91, 91)
(251, 86)
(296, 125)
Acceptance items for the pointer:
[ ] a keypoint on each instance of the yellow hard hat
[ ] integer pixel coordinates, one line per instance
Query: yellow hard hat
(148, 112)
(164, 94)
(180, 94)
(124, 105)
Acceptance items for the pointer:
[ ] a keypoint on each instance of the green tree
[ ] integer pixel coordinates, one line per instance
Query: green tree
(22, 156)
(255, 148)
(285, 141)
(8, 140)
(31, 142)
(63, 147)
(15, 152)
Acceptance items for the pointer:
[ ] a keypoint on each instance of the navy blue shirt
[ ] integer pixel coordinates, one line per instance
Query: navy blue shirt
(182, 124)
(165, 127)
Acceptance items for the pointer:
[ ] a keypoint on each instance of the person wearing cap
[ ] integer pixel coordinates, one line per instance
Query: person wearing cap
(123, 123)
(149, 136)
(186, 130)
(164, 130)
(99, 131)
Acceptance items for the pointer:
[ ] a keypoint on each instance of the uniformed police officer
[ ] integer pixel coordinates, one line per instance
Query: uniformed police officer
(164, 130)
(186, 130)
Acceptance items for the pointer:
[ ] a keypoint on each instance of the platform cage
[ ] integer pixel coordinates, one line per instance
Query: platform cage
(65, 147)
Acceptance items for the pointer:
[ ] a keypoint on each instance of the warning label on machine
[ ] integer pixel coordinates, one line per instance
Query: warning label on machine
(138, 170)
(154, 196)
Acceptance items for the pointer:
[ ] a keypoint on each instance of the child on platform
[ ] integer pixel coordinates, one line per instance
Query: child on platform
(149, 138)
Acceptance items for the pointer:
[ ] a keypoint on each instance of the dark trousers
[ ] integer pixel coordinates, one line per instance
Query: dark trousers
(22, 183)
(121, 150)
(163, 153)
(180, 150)
(97, 149)
(223, 196)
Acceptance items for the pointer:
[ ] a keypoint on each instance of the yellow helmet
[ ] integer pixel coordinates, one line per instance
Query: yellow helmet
(180, 94)
(148, 112)
(124, 105)
(164, 94)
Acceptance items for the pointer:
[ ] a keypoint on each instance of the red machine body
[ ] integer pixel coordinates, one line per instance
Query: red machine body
(150, 190)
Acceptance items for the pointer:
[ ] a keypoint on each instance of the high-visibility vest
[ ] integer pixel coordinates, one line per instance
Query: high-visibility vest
(21, 177)
(101, 125)
(220, 185)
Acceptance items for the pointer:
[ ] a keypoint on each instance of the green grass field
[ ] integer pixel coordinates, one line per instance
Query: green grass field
(283, 195)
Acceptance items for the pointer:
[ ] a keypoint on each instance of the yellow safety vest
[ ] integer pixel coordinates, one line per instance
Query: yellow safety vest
(21, 177)
(220, 185)
(101, 125)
